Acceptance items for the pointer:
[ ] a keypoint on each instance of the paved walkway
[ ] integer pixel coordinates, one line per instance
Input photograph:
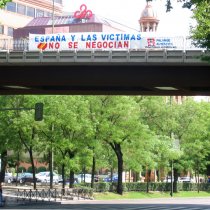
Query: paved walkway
(140, 204)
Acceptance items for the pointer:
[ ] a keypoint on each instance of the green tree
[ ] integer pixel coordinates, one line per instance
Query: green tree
(195, 142)
(3, 3)
(119, 126)
(71, 132)
(201, 32)
(186, 3)
(8, 135)
(201, 13)
(27, 128)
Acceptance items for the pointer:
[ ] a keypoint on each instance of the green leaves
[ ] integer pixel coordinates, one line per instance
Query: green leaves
(201, 33)
(139, 129)
(3, 3)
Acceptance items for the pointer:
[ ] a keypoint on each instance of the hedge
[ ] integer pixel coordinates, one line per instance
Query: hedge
(83, 191)
(21, 169)
(30, 169)
(41, 169)
(153, 186)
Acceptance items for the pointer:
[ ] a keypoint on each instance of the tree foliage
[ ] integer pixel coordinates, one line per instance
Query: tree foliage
(3, 3)
(201, 33)
(119, 132)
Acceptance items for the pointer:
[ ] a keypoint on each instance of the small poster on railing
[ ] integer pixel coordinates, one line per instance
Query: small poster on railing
(101, 41)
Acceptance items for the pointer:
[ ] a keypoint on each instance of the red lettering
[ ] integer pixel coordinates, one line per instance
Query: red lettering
(120, 45)
(110, 44)
(126, 44)
(73, 45)
(99, 45)
(93, 44)
(57, 45)
(88, 44)
(105, 44)
(51, 45)
(70, 44)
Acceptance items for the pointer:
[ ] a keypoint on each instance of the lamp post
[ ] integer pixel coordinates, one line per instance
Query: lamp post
(51, 157)
(172, 168)
(172, 177)
(53, 16)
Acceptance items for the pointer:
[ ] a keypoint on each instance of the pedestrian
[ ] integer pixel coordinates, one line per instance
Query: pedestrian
(2, 200)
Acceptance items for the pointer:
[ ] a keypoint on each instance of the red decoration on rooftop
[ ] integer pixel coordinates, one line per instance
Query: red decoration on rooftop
(83, 13)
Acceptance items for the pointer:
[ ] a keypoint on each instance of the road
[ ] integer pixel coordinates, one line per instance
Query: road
(140, 204)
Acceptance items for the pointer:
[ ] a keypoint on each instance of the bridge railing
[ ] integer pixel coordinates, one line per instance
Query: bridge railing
(132, 56)
(14, 44)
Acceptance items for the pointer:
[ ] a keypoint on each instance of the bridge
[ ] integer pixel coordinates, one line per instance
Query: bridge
(130, 72)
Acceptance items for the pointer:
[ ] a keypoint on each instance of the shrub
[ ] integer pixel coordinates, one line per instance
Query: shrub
(153, 186)
(41, 169)
(30, 169)
(101, 186)
(83, 191)
(21, 169)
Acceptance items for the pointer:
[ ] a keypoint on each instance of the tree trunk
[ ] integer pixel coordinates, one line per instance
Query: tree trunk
(63, 177)
(158, 175)
(50, 168)
(71, 176)
(111, 174)
(198, 164)
(93, 171)
(32, 165)
(17, 166)
(137, 176)
(119, 154)
(148, 172)
(176, 176)
(3, 165)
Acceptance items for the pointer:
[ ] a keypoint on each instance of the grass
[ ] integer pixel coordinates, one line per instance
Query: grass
(143, 195)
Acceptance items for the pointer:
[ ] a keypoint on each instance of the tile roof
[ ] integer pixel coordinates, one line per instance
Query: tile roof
(68, 20)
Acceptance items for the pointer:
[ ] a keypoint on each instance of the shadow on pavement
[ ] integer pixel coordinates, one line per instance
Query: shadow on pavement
(109, 206)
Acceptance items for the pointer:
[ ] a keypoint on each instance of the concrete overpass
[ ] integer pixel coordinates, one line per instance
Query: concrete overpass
(142, 72)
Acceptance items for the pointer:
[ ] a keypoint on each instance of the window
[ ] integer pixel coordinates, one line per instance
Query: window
(30, 12)
(1, 29)
(39, 13)
(57, 1)
(10, 31)
(47, 14)
(11, 6)
(21, 9)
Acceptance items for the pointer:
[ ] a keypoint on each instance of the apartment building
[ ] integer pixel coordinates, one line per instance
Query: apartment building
(19, 13)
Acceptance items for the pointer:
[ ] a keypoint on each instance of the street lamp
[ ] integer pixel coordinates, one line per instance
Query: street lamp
(53, 16)
(172, 177)
(172, 168)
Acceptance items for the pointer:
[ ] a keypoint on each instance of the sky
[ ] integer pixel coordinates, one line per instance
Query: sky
(127, 12)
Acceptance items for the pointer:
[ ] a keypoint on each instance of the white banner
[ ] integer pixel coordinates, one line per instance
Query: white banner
(103, 41)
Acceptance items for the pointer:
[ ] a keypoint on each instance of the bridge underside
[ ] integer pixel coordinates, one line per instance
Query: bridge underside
(110, 78)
